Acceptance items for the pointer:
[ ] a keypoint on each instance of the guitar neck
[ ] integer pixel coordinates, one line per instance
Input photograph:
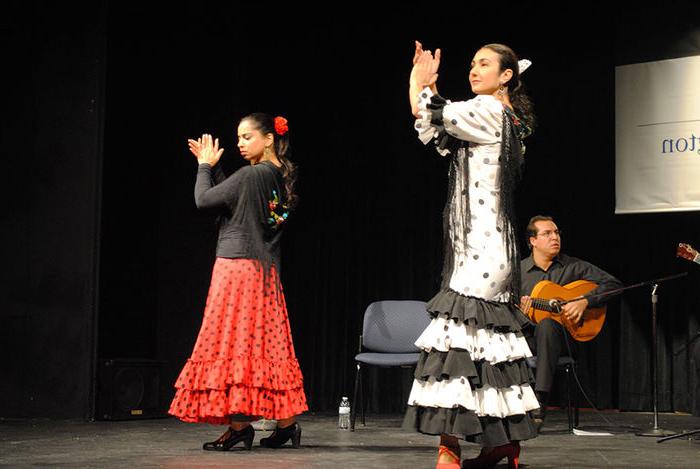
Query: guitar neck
(543, 305)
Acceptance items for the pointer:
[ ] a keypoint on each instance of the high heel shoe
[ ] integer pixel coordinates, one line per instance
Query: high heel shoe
(281, 435)
(491, 457)
(229, 439)
(447, 465)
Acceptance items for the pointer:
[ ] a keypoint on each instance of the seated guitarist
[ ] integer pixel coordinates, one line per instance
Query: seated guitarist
(546, 339)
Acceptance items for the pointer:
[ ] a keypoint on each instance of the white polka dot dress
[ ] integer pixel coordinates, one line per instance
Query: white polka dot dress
(472, 380)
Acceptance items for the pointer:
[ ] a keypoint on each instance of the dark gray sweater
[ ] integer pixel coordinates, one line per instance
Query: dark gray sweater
(251, 208)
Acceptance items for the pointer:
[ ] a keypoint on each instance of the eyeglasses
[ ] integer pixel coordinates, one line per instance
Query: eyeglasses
(549, 233)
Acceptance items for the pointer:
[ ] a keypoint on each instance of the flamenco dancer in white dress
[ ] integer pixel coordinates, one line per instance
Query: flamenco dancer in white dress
(472, 381)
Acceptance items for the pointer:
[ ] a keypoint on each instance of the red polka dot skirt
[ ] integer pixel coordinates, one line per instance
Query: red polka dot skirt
(243, 361)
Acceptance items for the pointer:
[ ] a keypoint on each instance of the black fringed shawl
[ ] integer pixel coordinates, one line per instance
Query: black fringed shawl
(511, 160)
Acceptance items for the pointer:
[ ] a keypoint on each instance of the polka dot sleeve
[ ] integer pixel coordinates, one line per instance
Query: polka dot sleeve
(477, 120)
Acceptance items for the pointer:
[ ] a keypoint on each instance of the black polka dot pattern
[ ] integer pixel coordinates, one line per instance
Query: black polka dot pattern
(480, 259)
(243, 361)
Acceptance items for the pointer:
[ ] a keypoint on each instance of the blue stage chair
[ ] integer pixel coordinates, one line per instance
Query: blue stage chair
(389, 330)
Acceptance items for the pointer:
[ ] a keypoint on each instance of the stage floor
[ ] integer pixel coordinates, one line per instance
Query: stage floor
(380, 444)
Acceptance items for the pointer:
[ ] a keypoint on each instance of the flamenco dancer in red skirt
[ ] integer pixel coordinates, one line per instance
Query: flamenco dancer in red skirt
(243, 366)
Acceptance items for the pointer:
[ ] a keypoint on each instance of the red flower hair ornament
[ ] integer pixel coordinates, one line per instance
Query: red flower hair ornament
(281, 125)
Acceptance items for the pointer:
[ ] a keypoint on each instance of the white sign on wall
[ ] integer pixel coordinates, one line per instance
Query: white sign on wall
(657, 136)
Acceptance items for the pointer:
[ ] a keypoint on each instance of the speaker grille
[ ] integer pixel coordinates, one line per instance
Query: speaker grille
(129, 389)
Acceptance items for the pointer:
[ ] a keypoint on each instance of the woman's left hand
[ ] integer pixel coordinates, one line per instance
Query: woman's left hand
(425, 69)
(206, 149)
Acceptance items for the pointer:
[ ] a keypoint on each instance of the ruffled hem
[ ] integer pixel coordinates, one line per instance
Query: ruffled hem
(216, 406)
(443, 334)
(245, 370)
(464, 423)
(484, 401)
(458, 363)
(477, 312)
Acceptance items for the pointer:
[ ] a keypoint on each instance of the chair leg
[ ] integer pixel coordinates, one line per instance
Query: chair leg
(362, 400)
(569, 408)
(353, 413)
(576, 406)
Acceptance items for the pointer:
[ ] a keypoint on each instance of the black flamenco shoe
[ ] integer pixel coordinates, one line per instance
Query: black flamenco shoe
(281, 435)
(229, 439)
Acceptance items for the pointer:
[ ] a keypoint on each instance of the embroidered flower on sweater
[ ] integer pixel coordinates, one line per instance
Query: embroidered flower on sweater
(276, 218)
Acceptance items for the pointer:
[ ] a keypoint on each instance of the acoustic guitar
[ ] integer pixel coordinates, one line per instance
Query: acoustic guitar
(546, 296)
(686, 251)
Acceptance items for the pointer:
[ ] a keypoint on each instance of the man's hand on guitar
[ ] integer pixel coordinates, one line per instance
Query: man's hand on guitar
(525, 304)
(574, 311)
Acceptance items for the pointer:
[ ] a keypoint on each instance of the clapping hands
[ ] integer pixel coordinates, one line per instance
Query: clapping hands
(206, 149)
(425, 67)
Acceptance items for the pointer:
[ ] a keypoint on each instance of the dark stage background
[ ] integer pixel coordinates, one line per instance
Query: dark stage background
(106, 256)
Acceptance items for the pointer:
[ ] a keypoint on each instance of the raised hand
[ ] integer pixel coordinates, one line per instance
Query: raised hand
(425, 68)
(206, 149)
(195, 146)
(419, 51)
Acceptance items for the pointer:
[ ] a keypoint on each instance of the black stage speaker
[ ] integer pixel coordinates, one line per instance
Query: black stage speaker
(129, 389)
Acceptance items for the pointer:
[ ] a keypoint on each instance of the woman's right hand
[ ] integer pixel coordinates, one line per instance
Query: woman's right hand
(205, 149)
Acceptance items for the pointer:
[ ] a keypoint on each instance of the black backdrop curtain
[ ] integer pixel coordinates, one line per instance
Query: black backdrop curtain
(51, 143)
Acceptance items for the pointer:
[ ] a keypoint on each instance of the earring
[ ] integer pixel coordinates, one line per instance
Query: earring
(501, 91)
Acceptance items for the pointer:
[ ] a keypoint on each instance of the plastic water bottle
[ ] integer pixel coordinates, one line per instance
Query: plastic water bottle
(344, 414)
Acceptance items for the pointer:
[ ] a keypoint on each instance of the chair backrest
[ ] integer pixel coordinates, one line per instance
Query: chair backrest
(392, 326)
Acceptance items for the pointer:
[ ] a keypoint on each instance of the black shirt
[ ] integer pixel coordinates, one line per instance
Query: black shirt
(566, 269)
